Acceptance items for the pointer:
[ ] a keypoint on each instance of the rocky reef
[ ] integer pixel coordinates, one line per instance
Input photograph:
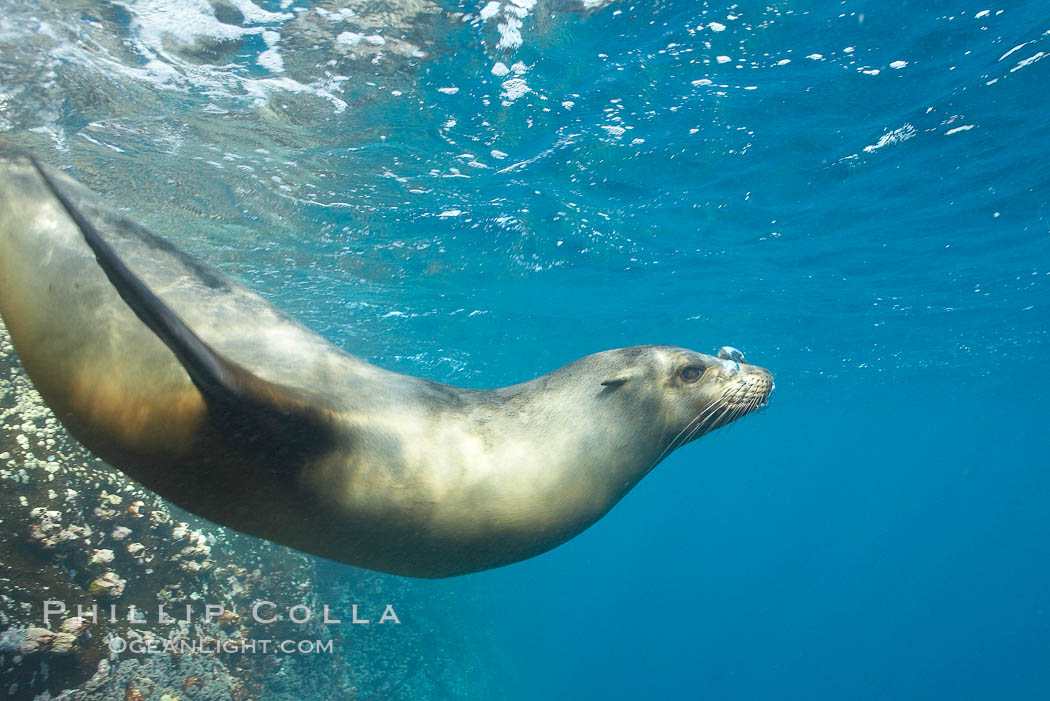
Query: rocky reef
(88, 557)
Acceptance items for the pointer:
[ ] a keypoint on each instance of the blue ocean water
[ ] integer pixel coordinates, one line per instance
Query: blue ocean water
(855, 194)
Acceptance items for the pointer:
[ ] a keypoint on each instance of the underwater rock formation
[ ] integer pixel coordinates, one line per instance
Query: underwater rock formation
(76, 531)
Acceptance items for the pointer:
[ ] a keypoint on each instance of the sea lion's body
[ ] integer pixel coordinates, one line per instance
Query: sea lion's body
(208, 395)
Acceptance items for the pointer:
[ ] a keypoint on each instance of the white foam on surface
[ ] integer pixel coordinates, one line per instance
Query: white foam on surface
(514, 88)
(253, 14)
(271, 60)
(489, 11)
(160, 29)
(1029, 61)
(183, 22)
(509, 34)
(897, 136)
(1016, 48)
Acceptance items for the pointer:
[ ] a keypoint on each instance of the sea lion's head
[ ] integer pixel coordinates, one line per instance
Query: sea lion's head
(689, 394)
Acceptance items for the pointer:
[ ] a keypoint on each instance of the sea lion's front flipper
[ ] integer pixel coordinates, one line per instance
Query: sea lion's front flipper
(279, 421)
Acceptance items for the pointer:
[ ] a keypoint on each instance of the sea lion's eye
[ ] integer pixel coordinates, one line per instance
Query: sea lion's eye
(690, 373)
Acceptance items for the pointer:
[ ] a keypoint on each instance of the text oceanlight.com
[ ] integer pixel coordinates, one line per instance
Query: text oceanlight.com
(157, 646)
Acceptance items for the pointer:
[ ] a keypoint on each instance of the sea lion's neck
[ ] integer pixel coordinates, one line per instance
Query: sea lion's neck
(570, 447)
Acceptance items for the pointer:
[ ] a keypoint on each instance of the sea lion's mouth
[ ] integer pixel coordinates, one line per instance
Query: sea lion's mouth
(748, 390)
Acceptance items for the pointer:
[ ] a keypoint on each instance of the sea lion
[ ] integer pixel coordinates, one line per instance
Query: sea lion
(214, 399)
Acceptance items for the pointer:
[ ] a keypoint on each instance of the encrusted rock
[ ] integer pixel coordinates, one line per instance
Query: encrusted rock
(101, 557)
(36, 640)
(228, 618)
(63, 643)
(74, 625)
(109, 584)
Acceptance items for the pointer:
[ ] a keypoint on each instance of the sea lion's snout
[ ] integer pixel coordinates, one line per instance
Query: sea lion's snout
(759, 384)
(744, 387)
(754, 381)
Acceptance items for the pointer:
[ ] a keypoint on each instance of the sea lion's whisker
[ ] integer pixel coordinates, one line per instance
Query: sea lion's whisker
(707, 423)
(674, 442)
(720, 421)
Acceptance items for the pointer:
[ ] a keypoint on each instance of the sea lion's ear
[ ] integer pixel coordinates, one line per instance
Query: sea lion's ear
(616, 380)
